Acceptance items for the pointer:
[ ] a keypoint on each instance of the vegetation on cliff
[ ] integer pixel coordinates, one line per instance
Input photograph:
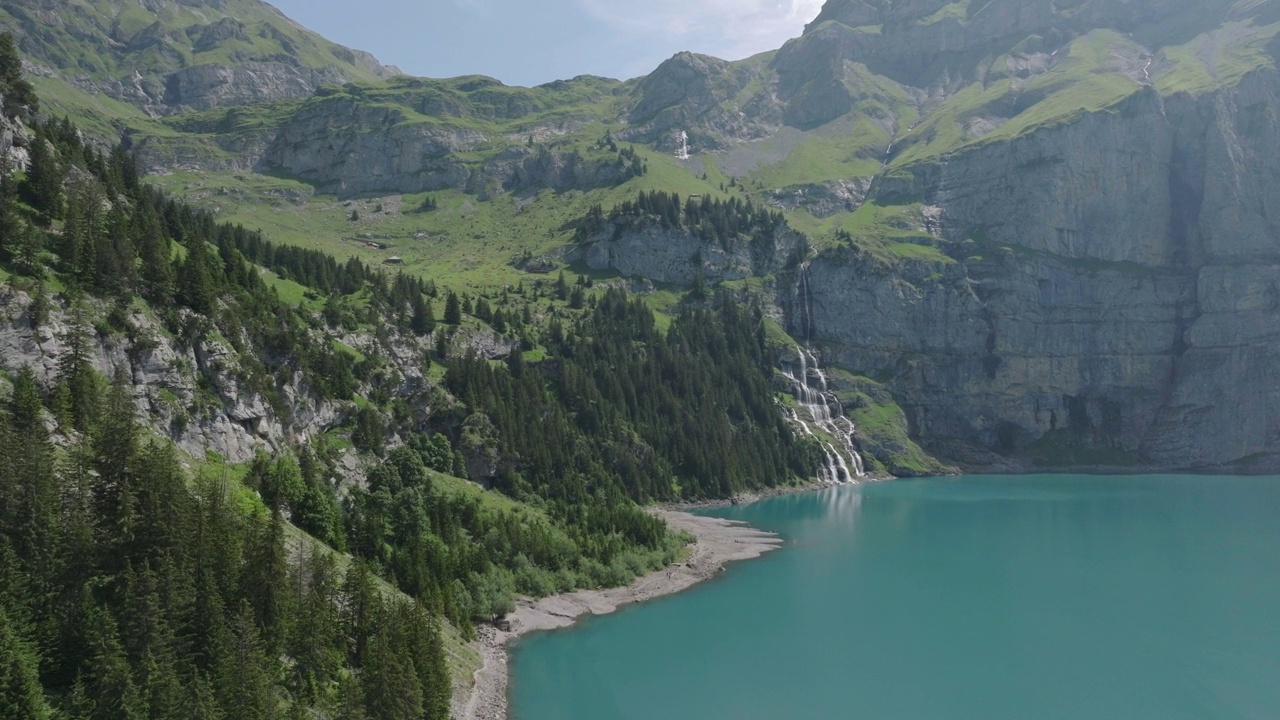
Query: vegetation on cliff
(138, 582)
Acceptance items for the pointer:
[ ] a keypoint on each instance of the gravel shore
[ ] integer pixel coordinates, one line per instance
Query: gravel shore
(718, 542)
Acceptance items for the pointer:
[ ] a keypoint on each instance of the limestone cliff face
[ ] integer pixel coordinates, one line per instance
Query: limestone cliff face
(678, 256)
(204, 87)
(1118, 280)
(194, 390)
(924, 42)
(348, 148)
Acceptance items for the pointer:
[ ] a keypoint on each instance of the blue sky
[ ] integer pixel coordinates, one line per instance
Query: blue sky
(527, 42)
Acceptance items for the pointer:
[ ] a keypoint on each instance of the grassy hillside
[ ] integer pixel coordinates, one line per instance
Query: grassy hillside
(110, 39)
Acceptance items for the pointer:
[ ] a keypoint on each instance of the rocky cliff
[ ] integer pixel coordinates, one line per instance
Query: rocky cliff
(679, 256)
(1096, 281)
(1114, 284)
(167, 56)
(197, 390)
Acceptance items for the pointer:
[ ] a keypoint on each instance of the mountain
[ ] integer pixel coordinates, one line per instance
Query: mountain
(167, 56)
(1038, 232)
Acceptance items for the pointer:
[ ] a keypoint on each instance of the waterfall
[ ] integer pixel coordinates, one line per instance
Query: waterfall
(833, 431)
(804, 301)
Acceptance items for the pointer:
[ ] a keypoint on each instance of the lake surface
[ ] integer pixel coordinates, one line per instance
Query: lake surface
(1072, 597)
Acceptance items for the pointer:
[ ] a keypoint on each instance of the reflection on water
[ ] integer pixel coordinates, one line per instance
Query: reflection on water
(1066, 597)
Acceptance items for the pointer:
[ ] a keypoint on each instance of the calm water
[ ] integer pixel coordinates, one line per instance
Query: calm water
(1154, 598)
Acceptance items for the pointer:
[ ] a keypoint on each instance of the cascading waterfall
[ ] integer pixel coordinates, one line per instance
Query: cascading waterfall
(833, 431)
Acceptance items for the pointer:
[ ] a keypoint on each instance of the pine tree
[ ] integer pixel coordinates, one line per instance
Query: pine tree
(197, 290)
(115, 452)
(11, 225)
(19, 96)
(316, 642)
(427, 651)
(77, 381)
(202, 703)
(424, 319)
(44, 180)
(242, 677)
(21, 696)
(452, 310)
(154, 256)
(361, 612)
(109, 686)
(264, 584)
(391, 687)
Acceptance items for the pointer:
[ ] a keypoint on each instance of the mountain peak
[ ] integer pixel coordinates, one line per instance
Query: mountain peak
(176, 54)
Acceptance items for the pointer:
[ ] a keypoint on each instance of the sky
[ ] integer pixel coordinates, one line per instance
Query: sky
(529, 42)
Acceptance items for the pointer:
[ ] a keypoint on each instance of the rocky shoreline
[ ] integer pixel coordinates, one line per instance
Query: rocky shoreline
(717, 543)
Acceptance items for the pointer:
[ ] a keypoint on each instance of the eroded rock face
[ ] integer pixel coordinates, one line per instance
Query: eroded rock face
(678, 256)
(193, 393)
(922, 42)
(700, 94)
(346, 148)
(204, 87)
(1096, 188)
(824, 200)
(1118, 278)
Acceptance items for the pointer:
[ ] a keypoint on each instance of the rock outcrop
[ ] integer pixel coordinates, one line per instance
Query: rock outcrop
(197, 54)
(346, 147)
(679, 256)
(1118, 280)
(195, 390)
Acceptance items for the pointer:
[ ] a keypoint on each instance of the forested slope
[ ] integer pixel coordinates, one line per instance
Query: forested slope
(145, 575)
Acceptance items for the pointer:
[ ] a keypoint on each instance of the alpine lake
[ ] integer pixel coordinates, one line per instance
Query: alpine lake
(987, 598)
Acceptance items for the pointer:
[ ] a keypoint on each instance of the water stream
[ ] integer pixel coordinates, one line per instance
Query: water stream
(815, 418)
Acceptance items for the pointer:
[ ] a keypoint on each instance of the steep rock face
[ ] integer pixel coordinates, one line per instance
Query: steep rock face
(348, 148)
(706, 96)
(164, 375)
(1096, 188)
(14, 138)
(924, 42)
(678, 256)
(1000, 352)
(521, 168)
(1119, 280)
(204, 87)
(195, 391)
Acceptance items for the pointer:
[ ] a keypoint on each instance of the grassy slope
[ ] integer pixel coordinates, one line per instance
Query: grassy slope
(108, 38)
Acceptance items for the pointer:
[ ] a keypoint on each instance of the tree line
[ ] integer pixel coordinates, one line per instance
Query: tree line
(710, 219)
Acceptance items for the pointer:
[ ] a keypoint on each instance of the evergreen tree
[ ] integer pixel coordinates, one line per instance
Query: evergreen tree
(452, 310)
(77, 381)
(110, 690)
(21, 695)
(44, 180)
(264, 584)
(242, 678)
(391, 687)
(197, 290)
(424, 319)
(11, 225)
(19, 96)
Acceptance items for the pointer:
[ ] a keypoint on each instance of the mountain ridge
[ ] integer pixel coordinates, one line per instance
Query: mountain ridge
(1110, 151)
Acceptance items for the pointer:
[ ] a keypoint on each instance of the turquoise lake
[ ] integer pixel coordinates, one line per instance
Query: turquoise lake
(991, 598)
